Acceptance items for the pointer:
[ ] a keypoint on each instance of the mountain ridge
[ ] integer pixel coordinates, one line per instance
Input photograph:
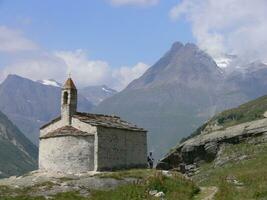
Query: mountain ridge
(30, 104)
(179, 92)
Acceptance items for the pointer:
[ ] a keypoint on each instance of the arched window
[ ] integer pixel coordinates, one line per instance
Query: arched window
(65, 98)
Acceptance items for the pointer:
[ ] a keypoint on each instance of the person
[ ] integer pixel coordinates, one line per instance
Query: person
(150, 160)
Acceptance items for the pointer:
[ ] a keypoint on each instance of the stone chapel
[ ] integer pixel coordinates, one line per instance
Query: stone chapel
(79, 142)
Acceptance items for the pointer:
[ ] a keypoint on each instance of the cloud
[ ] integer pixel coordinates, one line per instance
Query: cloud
(125, 75)
(94, 72)
(85, 72)
(228, 26)
(134, 2)
(14, 41)
(36, 68)
(27, 60)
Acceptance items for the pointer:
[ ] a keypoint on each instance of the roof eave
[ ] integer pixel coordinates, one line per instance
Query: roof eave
(51, 122)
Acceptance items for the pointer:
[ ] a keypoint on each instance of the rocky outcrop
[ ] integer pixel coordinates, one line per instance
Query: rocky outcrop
(206, 146)
(41, 183)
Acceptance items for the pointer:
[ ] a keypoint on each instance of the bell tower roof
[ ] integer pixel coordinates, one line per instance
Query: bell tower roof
(69, 84)
(68, 101)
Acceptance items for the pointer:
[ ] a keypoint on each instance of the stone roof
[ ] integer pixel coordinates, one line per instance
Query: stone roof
(101, 120)
(106, 121)
(69, 84)
(51, 122)
(64, 131)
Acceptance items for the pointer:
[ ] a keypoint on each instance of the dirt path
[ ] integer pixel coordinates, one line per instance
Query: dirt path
(207, 193)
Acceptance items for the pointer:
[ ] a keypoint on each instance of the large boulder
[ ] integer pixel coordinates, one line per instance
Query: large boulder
(205, 146)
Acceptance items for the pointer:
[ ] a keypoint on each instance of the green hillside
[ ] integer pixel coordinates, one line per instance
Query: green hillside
(239, 170)
(17, 154)
(237, 179)
(249, 111)
(13, 161)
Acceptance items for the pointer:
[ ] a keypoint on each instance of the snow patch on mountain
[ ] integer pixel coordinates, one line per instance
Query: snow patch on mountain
(50, 82)
(107, 90)
(223, 62)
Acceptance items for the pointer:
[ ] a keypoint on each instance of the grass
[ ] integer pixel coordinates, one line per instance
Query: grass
(22, 193)
(252, 173)
(175, 187)
(134, 173)
(246, 112)
(253, 110)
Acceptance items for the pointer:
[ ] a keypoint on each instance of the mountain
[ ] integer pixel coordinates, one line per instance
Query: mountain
(182, 65)
(17, 154)
(181, 91)
(171, 98)
(94, 94)
(97, 94)
(30, 104)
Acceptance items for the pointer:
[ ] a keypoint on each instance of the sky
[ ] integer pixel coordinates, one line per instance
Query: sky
(113, 42)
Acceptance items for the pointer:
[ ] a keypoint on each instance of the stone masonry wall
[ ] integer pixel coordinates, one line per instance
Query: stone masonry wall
(67, 154)
(120, 149)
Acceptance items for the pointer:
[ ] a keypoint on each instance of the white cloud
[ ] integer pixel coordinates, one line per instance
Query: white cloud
(13, 41)
(228, 26)
(125, 75)
(38, 64)
(36, 68)
(95, 72)
(135, 2)
(84, 71)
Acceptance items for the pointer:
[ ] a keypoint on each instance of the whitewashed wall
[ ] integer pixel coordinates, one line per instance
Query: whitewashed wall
(67, 154)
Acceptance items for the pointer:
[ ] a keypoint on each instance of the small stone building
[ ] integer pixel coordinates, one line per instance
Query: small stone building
(79, 142)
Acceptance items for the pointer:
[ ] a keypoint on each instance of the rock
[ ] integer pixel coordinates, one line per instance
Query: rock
(163, 165)
(159, 194)
(211, 150)
(237, 183)
(244, 157)
(166, 173)
(169, 162)
(182, 168)
(190, 167)
(153, 192)
(206, 147)
(47, 185)
(233, 180)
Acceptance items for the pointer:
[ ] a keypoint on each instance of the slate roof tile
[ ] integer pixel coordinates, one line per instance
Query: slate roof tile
(64, 131)
(106, 121)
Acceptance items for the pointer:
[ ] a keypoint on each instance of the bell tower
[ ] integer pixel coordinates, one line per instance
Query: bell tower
(68, 101)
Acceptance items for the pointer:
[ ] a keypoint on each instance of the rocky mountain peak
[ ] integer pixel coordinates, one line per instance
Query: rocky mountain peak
(97, 93)
(13, 77)
(182, 64)
(176, 46)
